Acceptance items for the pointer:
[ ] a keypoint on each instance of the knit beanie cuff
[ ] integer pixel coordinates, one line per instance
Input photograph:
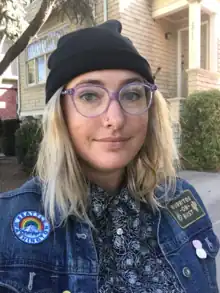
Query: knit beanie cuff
(88, 61)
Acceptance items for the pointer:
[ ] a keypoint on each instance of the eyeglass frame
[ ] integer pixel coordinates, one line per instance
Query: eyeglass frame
(113, 96)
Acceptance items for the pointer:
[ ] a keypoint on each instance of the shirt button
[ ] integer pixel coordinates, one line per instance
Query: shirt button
(186, 272)
(119, 231)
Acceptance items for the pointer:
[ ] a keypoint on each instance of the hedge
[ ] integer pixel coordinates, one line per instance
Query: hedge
(28, 137)
(8, 136)
(200, 123)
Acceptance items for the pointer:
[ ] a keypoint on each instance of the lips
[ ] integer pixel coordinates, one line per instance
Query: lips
(113, 139)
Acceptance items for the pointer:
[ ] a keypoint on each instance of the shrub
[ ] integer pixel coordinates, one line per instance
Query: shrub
(28, 137)
(8, 136)
(200, 124)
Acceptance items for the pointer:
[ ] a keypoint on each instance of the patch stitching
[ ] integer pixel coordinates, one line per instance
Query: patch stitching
(31, 227)
(174, 215)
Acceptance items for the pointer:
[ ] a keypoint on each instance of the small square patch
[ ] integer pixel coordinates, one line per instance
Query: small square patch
(185, 209)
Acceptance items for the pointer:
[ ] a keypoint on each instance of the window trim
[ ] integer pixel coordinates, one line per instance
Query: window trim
(27, 73)
(45, 69)
(65, 28)
(36, 69)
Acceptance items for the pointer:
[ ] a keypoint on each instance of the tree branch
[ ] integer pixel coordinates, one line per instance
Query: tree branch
(39, 19)
(78, 10)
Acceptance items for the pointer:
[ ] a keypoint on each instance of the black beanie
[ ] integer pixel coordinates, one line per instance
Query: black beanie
(90, 49)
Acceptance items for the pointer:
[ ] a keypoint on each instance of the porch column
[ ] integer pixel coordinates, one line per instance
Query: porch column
(194, 34)
(213, 42)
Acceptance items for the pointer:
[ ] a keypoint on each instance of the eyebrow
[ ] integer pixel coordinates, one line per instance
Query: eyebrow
(99, 82)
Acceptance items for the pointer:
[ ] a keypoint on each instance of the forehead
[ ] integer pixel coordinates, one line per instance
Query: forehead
(108, 78)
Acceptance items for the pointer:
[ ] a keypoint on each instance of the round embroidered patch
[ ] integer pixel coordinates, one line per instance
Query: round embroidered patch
(31, 227)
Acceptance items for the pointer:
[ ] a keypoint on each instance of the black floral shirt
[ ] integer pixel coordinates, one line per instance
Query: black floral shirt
(130, 260)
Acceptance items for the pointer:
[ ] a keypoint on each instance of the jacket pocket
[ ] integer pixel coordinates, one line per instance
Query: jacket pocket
(26, 280)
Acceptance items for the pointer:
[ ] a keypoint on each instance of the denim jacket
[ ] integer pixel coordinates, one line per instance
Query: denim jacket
(35, 258)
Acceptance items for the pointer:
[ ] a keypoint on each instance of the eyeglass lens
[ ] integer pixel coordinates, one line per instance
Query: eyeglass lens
(93, 100)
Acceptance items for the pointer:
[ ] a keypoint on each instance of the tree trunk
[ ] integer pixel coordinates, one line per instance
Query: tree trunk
(22, 42)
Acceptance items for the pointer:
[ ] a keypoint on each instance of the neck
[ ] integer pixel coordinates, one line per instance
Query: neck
(109, 181)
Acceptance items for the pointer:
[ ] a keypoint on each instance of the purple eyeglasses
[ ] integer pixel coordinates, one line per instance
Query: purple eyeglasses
(92, 100)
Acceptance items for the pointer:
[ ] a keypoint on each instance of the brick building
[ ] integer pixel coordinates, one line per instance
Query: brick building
(8, 87)
(8, 102)
(181, 37)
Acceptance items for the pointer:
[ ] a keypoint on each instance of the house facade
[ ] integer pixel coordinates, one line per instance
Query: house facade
(181, 38)
(8, 86)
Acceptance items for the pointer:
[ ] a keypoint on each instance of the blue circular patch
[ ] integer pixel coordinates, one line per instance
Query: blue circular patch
(31, 227)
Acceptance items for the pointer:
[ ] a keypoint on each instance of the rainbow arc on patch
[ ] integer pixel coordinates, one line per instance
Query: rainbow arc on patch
(34, 221)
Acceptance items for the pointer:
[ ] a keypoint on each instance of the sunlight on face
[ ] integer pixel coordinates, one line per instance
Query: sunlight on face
(111, 140)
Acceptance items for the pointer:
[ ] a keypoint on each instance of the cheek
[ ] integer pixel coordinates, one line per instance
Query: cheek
(81, 129)
(139, 128)
(82, 133)
(73, 121)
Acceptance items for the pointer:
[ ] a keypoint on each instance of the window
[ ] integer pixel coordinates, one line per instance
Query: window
(37, 57)
(41, 69)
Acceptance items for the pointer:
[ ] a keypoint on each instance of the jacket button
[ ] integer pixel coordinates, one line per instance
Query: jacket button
(186, 272)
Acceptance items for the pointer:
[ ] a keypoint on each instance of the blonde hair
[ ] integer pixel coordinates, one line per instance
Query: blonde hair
(65, 188)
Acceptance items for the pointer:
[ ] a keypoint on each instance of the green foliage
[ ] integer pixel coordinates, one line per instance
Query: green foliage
(8, 136)
(12, 18)
(28, 138)
(14, 25)
(200, 124)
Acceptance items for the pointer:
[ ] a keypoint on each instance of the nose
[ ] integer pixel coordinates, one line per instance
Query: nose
(114, 116)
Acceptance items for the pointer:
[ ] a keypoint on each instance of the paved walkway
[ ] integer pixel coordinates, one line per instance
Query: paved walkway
(11, 174)
(207, 184)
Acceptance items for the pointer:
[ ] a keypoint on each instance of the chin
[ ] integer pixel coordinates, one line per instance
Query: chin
(111, 164)
(107, 162)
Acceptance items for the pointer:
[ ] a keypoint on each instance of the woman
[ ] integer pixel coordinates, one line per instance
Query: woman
(106, 212)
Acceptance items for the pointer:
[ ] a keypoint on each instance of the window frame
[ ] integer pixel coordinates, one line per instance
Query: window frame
(63, 30)
(27, 73)
(36, 73)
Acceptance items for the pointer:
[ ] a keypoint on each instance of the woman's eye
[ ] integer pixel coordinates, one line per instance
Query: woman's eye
(88, 97)
(132, 96)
